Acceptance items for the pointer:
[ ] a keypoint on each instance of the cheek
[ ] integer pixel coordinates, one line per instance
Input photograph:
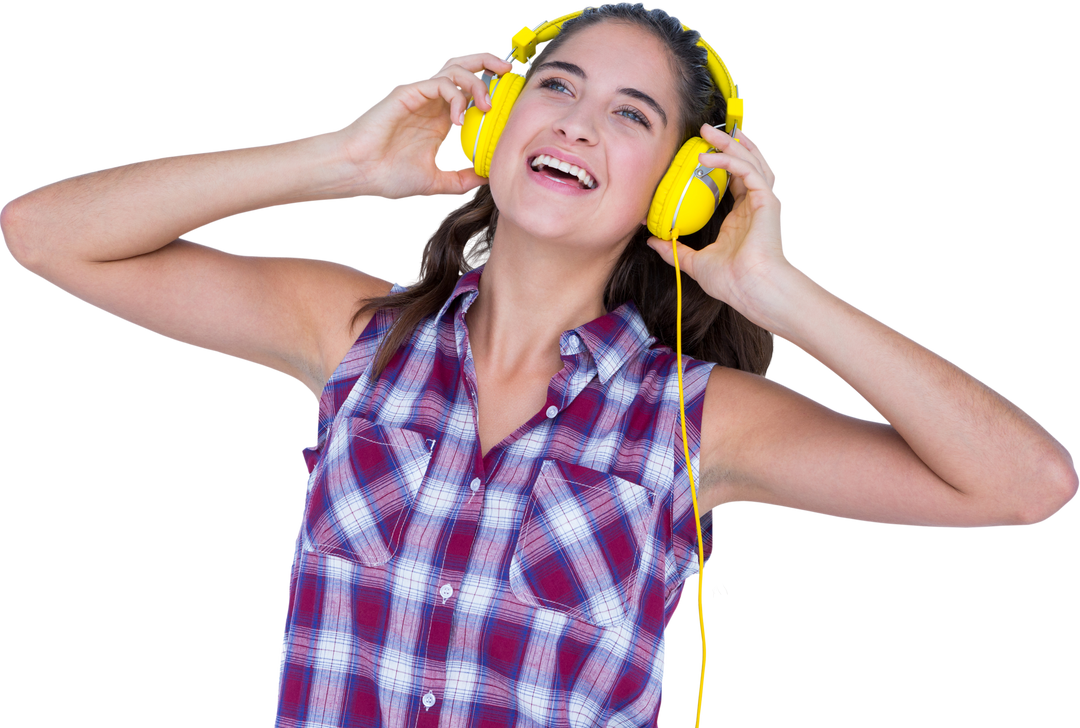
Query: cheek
(651, 180)
(505, 158)
(642, 172)
(499, 177)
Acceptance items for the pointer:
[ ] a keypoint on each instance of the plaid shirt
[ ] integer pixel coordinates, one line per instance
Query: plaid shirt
(436, 586)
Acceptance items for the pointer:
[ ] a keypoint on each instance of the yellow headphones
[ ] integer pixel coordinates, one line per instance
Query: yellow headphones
(679, 206)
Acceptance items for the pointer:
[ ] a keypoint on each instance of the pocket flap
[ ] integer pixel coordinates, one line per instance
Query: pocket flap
(359, 503)
(580, 543)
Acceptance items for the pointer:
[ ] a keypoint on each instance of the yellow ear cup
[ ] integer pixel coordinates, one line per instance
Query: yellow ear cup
(688, 194)
(481, 131)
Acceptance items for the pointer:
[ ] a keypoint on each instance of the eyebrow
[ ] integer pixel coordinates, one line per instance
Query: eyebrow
(576, 70)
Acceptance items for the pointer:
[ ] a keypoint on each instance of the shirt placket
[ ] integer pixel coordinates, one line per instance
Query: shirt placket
(455, 558)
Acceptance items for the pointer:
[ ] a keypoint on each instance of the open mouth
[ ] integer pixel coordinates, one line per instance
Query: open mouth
(563, 171)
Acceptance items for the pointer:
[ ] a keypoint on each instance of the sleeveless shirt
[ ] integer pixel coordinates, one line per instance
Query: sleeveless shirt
(435, 586)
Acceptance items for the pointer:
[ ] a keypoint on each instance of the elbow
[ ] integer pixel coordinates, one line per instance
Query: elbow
(1070, 487)
(11, 234)
(1062, 486)
(14, 228)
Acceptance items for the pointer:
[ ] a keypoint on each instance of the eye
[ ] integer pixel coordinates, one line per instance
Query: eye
(551, 83)
(635, 115)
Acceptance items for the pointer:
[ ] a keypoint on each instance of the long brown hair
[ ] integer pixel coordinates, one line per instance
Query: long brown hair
(712, 330)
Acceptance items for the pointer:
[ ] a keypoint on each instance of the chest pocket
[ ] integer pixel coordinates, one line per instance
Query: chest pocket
(579, 548)
(362, 498)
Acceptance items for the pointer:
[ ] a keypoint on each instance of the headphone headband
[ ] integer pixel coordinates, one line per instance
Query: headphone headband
(525, 42)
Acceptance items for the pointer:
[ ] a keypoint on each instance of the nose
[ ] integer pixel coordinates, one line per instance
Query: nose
(578, 124)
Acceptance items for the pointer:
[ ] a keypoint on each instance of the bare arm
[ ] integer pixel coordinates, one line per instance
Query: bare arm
(113, 237)
(120, 213)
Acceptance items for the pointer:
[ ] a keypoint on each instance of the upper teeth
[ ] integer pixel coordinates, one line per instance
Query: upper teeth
(546, 160)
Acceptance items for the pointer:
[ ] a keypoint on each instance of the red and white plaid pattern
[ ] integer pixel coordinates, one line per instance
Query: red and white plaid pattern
(436, 587)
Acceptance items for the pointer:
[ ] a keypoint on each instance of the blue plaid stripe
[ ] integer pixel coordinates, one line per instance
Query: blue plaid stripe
(435, 586)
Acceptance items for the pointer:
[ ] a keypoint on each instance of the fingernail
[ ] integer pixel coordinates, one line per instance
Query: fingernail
(461, 119)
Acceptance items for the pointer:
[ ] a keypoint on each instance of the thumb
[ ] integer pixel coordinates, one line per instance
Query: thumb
(664, 248)
(455, 183)
(467, 179)
(685, 254)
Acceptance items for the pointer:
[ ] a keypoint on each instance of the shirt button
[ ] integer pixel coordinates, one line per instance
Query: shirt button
(475, 484)
(429, 700)
(446, 591)
(552, 411)
(572, 341)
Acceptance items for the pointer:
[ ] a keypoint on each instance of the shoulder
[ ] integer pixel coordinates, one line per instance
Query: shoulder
(336, 300)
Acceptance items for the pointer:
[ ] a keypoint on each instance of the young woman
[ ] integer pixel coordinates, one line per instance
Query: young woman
(529, 390)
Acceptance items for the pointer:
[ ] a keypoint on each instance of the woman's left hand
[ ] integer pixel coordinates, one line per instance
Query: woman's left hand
(747, 252)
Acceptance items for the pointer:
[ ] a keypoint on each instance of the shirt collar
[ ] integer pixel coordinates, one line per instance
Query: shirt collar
(611, 340)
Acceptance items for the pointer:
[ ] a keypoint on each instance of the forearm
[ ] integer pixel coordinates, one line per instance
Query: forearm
(969, 435)
(129, 211)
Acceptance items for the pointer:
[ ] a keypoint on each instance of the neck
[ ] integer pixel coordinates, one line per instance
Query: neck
(531, 291)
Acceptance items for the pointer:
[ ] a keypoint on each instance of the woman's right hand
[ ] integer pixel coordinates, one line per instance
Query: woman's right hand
(393, 145)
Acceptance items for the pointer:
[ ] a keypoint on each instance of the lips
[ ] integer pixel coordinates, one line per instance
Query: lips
(565, 157)
(562, 186)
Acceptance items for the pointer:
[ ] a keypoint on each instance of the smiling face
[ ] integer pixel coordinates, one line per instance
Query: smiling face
(588, 139)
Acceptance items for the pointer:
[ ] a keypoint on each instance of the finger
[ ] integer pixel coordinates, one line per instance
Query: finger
(726, 143)
(717, 137)
(458, 97)
(756, 152)
(443, 88)
(755, 204)
(717, 160)
(729, 145)
(742, 172)
(471, 85)
(478, 61)
(748, 143)
(466, 76)
(737, 149)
